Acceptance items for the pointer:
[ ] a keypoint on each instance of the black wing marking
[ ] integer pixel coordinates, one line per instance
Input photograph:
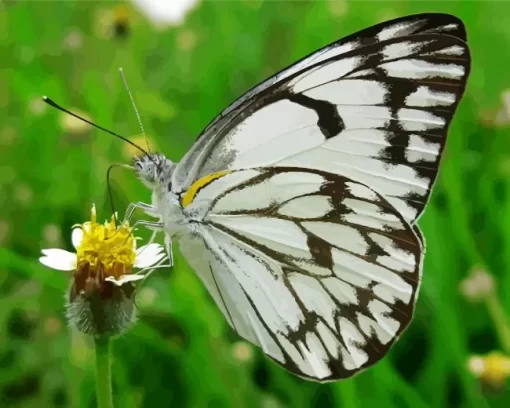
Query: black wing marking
(318, 270)
(374, 107)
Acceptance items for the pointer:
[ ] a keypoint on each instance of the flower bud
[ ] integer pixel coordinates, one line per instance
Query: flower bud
(101, 310)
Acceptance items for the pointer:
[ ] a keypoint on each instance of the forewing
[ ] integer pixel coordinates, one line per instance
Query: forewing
(374, 107)
(318, 270)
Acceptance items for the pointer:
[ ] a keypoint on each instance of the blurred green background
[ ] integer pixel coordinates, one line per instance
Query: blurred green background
(182, 353)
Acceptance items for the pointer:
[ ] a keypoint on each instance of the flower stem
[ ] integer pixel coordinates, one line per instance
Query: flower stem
(345, 394)
(498, 317)
(103, 372)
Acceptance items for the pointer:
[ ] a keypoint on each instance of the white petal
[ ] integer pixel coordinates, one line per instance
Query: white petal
(149, 255)
(77, 237)
(124, 279)
(58, 259)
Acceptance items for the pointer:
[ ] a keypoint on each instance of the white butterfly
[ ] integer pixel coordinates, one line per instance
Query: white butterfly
(297, 206)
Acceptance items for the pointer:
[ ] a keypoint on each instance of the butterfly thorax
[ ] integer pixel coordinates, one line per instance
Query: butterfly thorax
(155, 171)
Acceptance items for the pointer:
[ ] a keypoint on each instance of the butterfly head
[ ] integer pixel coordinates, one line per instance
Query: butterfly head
(153, 169)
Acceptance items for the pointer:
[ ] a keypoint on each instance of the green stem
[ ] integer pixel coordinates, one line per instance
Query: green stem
(345, 394)
(103, 372)
(497, 314)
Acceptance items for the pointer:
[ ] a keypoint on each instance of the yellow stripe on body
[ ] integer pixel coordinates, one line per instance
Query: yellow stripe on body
(197, 185)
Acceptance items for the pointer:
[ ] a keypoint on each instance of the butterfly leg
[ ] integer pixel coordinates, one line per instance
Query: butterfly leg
(153, 236)
(148, 271)
(156, 226)
(133, 206)
(151, 240)
(169, 249)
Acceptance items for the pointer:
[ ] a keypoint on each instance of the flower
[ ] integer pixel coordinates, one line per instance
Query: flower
(104, 253)
(140, 140)
(502, 117)
(113, 22)
(163, 13)
(242, 351)
(186, 40)
(478, 286)
(37, 106)
(100, 299)
(73, 40)
(493, 369)
(73, 125)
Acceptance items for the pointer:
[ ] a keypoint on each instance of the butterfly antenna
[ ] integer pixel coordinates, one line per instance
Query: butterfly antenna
(60, 108)
(121, 72)
(110, 195)
(110, 191)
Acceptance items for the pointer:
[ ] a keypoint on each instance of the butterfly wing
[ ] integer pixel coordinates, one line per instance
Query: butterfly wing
(318, 270)
(374, 107)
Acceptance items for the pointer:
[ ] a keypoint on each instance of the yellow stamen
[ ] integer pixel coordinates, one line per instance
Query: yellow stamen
(493, 368)
(105, 250)
(197, 185)
(497, 367)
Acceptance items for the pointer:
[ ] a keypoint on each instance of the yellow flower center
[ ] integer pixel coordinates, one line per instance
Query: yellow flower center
(497, 367)
(105, 250)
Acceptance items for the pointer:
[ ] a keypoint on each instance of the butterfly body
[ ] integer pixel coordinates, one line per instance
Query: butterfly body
(297, 206)
(155, 171)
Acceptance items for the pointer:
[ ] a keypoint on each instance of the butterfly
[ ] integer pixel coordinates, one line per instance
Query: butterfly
(297, 205)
